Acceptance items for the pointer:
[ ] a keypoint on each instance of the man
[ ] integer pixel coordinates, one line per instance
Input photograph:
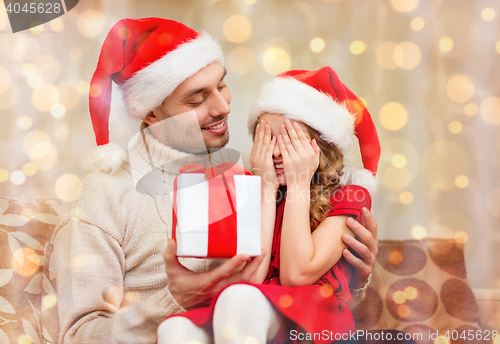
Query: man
(111, 280)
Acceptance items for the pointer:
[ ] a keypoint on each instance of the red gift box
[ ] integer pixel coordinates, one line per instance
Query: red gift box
(216, 211)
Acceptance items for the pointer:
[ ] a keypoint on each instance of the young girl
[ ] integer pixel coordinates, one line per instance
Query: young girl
(302, 123)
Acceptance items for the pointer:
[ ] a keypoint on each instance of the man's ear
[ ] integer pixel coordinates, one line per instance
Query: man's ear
(152, 117)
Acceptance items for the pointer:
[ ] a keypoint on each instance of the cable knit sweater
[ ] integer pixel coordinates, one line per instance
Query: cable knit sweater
(109, 244)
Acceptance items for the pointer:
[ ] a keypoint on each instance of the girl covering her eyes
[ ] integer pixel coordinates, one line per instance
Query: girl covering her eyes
(303, 122)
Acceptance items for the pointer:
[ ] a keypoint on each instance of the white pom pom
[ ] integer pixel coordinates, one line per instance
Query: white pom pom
(364, 178)
(107, 158)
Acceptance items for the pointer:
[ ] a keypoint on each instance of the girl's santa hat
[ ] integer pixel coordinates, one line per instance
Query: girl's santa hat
(148, 58)
(320, 100)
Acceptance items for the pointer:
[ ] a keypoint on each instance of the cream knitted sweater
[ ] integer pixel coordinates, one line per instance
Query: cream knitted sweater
(109, 244)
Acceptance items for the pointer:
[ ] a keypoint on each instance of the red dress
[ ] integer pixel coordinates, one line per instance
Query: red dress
(322, 306)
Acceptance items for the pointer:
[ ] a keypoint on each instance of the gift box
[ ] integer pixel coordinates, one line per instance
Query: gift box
(216, 211)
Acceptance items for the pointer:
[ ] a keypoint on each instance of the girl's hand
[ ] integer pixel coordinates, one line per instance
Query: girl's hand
(261, 157)
(300, 156)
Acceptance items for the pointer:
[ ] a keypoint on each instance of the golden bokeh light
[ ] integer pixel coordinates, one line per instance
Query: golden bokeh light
(40, 150)
(242, 60)
(30, 261)
(36, 30)
(49, 301)
(497, 47)
(9, 97)
(29, 69)
(45, 97)
(417, 24)
(461, 237)
(80, 261)
(418, 232)
(250, 340)
(58, 110)
(4, 175)
(34, 137)
(24, 122)
(488, 14)
(399, 297)
(455, 127)
(493, 202)
(83, 87)
(29, 169)
(406, 197)
(285, 301)
(35, 81)
(403, 311)
(75, 53)
(276, 60)
(61, 134)
(460, 88)
(357, 47)
(385, 55)
(399, 160)
(24, 339)
(132, 296)
(3, 22)
(91, 23)
(462, 182)
(250, 2)
(396, 257)
(47, 67)
(57, 25)
(442, 162)
(68, 187)
(68, 94)
(404, 5)
(393, 116)
(17, 178)
(396, 179)
(229, 332)
(4, 79)
(470, 109)
(25, 49)
(237, 29)
(442, 340)
(407, 55)
(95, 91)
(326, 290)
(317, 45)
(411, 293)
(490, 110)
(446, 44)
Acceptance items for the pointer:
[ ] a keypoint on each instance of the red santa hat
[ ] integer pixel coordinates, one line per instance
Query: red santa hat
(148, 58)
(320, 100)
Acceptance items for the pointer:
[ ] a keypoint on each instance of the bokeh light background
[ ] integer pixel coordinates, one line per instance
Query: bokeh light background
(428, 70)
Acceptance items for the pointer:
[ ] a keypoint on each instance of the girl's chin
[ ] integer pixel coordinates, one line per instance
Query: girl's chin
(281, 179)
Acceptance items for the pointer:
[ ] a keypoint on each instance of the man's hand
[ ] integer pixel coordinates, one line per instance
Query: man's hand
(192, 289)
(365, 246)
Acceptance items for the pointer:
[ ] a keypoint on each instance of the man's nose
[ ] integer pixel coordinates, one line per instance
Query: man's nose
(220, 106)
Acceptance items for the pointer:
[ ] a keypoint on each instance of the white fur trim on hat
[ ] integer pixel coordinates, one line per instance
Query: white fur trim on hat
(147, 89)
(364, 178)
(301, 102)
(107, 158)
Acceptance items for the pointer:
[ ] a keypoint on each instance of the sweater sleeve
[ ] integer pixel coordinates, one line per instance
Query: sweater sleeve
(90, 267)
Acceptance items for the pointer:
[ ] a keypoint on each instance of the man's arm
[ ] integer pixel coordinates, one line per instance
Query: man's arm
(90, 266)
(365, 245)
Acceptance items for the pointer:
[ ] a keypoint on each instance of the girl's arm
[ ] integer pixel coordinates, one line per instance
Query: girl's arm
(306, 256)
(268, 217)
(262, 165)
